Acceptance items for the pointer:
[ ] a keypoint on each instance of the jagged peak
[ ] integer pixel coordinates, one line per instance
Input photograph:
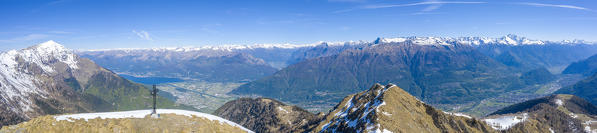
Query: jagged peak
(41, 54)
(387, 108)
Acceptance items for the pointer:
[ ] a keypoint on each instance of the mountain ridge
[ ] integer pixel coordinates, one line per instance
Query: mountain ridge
(555, 113)
(50, 79)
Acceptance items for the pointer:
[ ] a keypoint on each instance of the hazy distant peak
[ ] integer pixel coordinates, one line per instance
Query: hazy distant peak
(510, 39)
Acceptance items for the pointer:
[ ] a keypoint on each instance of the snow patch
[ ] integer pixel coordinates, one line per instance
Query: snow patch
(551, 130)
(282, 109)
(379, 130)
(458, 114)
(559, 102)
(505, 122)
(386, 113)
(573, 115)
(142, 114)
(588, 127)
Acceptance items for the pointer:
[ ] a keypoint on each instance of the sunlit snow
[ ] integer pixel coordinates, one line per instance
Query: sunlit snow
(142, 114)
(505, 122)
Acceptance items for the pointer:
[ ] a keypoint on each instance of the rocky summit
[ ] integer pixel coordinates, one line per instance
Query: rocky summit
(391, 109)
(266, 115)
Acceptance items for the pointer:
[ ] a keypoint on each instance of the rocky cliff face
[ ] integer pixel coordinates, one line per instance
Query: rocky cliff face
(50, 79)
(389, 108)
(267, 115)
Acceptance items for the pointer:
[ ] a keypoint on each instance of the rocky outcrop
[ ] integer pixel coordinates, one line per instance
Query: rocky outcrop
(265, 115)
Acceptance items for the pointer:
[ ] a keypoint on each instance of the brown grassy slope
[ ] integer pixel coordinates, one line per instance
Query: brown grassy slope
(166, 123)
(398, 112)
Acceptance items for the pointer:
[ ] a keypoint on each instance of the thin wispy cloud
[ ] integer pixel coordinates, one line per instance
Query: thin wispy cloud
(554, 5)
(143, 35)
(60, 32)
(29, 37)
(432, 5)
(347, 0)
(420, 3)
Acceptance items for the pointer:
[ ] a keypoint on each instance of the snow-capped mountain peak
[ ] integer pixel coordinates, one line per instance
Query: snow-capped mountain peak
(509, 39)
(50, 44)
(46, 52)
(18, 76)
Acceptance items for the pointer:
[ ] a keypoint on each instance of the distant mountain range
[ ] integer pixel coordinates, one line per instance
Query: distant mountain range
(50, 79)
(221, 66)
(435, 69)
(251, 62)
(437, 74)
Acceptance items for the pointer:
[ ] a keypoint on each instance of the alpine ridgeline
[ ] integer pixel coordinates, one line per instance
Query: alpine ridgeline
(381, 108)
(169, 120)
(50, 79)
(555, 113)
(389, 108)
(586, 67)
(265, 115)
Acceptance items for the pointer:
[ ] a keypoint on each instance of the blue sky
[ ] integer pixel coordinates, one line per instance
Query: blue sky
(87, 24)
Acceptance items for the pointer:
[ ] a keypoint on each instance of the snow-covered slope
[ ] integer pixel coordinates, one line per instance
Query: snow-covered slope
(19, 78)
(142, 114)
(505, 122)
